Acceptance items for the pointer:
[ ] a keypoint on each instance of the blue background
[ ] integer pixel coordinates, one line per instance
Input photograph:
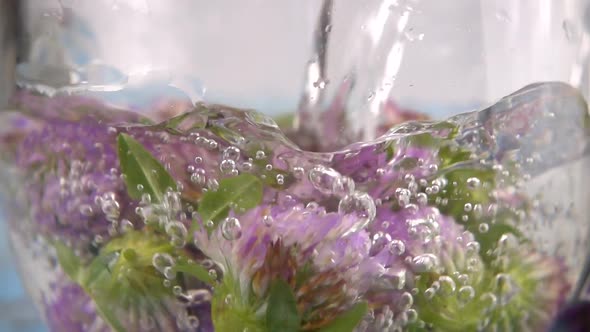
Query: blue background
(17, 312)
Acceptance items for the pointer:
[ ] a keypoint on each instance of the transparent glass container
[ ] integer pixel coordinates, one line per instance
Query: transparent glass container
(402, 165)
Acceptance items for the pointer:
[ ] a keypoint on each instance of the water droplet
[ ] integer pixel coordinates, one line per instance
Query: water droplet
(140, 187)
(570, 30)
(320, 84)
(502, 15)
(362, 206)
(465, 294)
(424, 263)
(397, 247)
(213, 274)
(167, 283)
(231, 228)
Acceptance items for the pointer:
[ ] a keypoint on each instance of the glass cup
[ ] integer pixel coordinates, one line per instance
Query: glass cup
(298, 166)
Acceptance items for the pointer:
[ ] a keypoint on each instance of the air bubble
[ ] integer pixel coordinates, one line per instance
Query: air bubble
(483, 228)
(422, 199)
(424, 263)
(231, 228)
(169, 273)
(228, 299)
(298, 172)
(397, 247)
(260, 155)
(231, 153)
(429, 293)
(193, 322)
(86, 210)
(447, 285)
(212, 145)
(198, 178)
(473, 183)
(178, 232)
(227, 166)
(280, 179)
(465, 294)
(489, 301)
(246, 166)
(267, 220)
(398, 279)
(161, 261)
(363, 208)
(126, 226)
(212, 184)
(342, 186)
(177, 290)
(403, 196)
(322, 178)
(411, 315)
(406, 301)
(467, 207)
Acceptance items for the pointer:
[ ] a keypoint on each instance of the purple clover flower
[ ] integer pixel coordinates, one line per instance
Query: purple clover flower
(72, 310)
(278, 242)
(71, 178)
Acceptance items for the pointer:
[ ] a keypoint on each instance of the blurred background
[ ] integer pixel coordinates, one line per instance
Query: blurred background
(440, 57)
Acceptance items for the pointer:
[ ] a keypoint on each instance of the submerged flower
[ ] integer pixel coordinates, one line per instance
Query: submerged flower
(305, 247)
(435, 277)
(71, 179)
(71, 309)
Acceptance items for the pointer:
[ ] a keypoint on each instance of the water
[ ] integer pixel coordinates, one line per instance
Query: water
(186, 222)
